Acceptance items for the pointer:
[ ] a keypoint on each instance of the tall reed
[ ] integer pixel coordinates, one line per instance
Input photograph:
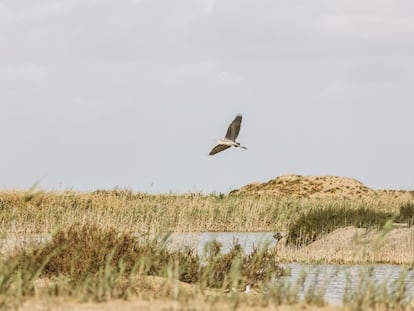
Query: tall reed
(126, 210)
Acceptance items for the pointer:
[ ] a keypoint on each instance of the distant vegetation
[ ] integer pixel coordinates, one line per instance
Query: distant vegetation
(42, 212)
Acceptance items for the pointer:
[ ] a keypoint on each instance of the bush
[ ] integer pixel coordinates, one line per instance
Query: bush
(406, 214)
(102, 263)
(82, 251)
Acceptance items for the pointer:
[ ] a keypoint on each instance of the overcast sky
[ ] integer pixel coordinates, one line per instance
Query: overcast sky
(97, 94)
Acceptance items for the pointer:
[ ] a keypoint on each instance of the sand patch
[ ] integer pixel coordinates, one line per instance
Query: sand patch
(157, 294)
(354, 245)
(163, 305)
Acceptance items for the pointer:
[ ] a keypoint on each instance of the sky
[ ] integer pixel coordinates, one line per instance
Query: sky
(97, 94)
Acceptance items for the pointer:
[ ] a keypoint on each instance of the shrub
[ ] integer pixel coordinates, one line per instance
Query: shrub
(406, 214)
(102, 263)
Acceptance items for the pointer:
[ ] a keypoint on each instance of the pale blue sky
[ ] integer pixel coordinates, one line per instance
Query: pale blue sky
(97, 93)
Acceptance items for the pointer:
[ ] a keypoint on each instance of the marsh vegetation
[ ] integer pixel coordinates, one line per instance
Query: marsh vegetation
(305, 218)
(90, 264)
(94, 253)
(95, 264)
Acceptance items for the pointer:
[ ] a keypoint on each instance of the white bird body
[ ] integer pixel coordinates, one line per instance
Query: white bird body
(227, 142)
(230, 139)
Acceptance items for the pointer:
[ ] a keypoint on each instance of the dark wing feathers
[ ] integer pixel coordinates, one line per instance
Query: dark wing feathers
(218, 148)
(234, 128)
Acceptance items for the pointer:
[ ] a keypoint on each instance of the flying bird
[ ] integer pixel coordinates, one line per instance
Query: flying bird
(230, 139)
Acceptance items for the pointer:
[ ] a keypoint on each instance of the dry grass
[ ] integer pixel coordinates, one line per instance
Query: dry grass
(87, 252)
(95, 264)
(137, 212)
(35, 215)
(42, 212)
(100, 264)
(91, 253)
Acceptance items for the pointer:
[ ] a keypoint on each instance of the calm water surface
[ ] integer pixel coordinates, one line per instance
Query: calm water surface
(247, 240)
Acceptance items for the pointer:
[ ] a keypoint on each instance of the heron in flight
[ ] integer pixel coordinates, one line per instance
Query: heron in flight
(230, 139)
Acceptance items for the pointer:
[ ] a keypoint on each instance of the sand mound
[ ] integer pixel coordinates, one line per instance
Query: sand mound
(308, 186)
(319, 187)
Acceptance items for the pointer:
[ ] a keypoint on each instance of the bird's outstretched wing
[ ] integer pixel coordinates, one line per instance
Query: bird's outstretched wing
(234, 128)
(218, 148)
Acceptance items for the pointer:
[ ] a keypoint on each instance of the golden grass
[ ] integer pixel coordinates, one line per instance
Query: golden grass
(42, 212)
(38, 213)
(133, 212)
(107, 260)
(95, 264)
(32, 215)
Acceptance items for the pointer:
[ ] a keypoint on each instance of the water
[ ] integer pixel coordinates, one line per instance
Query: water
(7, 245)
(247, 240)
(332, 278)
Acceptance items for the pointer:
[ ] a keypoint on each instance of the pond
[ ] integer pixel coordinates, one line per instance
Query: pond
(333, 279)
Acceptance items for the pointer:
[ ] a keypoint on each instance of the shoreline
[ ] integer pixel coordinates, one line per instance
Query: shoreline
(347, 245)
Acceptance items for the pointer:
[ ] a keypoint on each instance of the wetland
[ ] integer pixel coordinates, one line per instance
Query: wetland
(299, 242)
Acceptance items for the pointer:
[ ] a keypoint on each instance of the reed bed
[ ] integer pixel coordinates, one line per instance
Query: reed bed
(41, 212)
(85, 263)
(92, 252)
(95, 264)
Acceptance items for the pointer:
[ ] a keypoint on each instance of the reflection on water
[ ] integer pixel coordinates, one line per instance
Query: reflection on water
(11, 243)
(332, 278)
(247, 240)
